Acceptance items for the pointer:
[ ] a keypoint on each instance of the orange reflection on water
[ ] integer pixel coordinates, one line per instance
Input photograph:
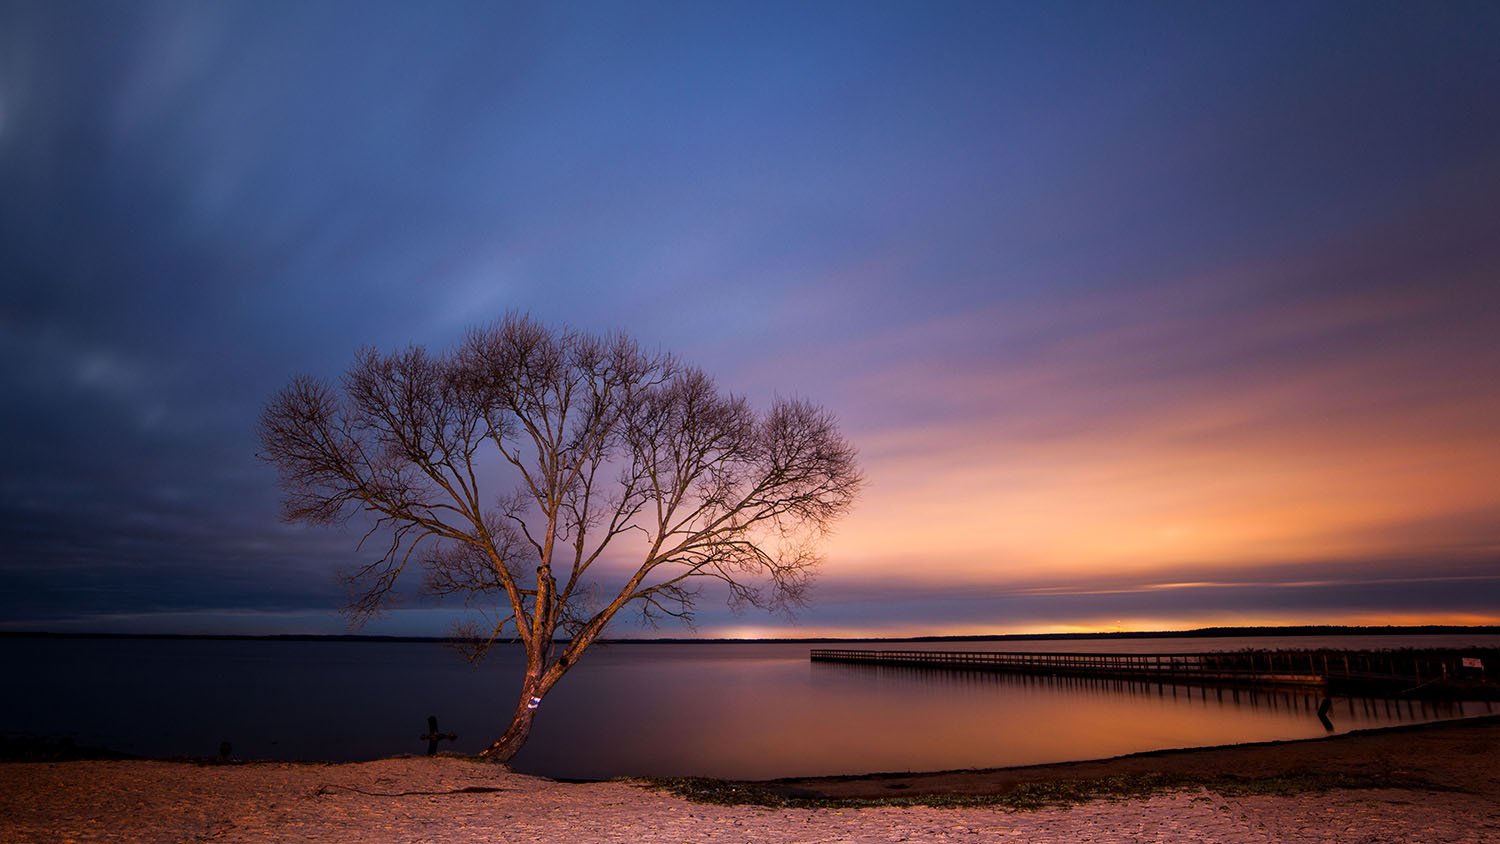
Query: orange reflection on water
(762, 711)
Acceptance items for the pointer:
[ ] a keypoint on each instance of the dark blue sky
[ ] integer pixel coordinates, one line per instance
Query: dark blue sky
(1141, 314)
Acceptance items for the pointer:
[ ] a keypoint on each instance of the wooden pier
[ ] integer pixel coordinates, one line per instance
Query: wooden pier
(1467, 673)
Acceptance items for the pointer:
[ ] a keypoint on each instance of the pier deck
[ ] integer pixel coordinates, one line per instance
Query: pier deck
(1446, 673)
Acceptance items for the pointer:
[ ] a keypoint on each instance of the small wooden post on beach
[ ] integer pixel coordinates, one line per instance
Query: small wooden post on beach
(432, 736)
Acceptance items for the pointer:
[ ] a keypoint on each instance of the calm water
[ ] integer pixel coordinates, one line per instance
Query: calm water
(734, 710)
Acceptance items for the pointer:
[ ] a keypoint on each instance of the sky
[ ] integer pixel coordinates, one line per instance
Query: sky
(1148, 315)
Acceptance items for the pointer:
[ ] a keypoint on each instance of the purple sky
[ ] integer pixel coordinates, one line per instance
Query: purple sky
(1142, 315)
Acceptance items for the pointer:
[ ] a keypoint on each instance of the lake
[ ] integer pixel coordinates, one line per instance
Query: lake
(751, 710)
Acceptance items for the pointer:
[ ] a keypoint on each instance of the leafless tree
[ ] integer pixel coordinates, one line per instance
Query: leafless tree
(613, 455)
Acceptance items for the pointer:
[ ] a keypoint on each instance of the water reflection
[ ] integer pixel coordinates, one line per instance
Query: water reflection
(763, 718)
(733, 710)
(1335, 714)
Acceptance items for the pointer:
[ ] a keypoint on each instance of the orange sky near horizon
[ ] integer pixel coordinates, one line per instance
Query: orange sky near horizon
(1199, 435)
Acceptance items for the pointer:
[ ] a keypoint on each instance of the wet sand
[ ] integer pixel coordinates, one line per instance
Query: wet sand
(1442, 785)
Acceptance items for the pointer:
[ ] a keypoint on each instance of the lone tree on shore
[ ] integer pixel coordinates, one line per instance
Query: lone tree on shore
(632, 480)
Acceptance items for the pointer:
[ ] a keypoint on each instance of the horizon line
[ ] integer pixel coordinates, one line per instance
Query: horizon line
(1197, 632)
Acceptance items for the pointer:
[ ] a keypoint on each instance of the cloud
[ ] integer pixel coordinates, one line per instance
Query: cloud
(1361, 592)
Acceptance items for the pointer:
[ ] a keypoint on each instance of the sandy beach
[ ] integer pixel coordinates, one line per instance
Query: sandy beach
(1438, 783)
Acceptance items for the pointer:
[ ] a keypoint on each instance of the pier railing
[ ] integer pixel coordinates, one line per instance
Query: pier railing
(1399, 671)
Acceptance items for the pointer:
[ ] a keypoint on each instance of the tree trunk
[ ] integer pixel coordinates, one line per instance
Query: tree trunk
(502, 749)
(508, 744)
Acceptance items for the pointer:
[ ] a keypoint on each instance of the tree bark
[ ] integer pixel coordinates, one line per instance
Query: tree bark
(503, 748)
(538, 681)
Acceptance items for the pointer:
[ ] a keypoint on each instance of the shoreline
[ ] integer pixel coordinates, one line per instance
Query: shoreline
(1252, 760)
(1429, 783)
(32, 750)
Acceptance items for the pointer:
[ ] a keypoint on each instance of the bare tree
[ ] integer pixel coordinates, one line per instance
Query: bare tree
(615, 455)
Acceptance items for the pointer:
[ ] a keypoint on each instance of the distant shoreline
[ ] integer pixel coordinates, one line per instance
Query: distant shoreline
(1197, 633)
